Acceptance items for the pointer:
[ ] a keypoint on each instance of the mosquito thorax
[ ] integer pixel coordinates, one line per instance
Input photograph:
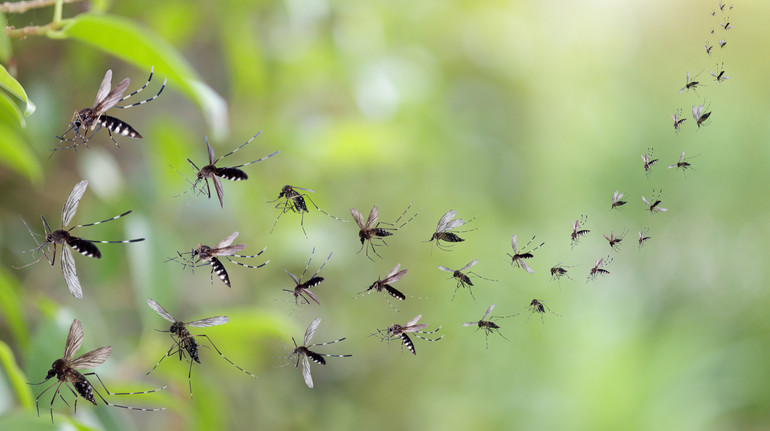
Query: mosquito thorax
(179, 330)
(86, 117)
(58, 236)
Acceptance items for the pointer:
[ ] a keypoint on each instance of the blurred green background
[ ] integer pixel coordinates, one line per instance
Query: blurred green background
(522, 114)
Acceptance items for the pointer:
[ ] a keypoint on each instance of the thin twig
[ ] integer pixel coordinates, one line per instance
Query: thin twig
(23, 6)
(33, 30)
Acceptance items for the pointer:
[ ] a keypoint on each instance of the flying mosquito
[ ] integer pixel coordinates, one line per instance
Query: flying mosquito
(643, 236)
(445, 225)
(726, 24)
(617, 200)
(488, 325)
(66, 372)
(647, 161)
(463, 280)
(517, 258)
(598, 268)
(303, 288)
(683, 163)
(538, 306)
(399, 331)
(384, 284)
(371, 230)
(558, 271)
(576, 231)
(295, 201)
(719, 76)
(185, 343)
(208, 256)
(700, 116)
(708, 48)
(654, 207)
(62, 237)
(722, 43)
(678, 120)
(690, 85)
(303, 352)
(231, 173)
(93, 118)
(615, 240)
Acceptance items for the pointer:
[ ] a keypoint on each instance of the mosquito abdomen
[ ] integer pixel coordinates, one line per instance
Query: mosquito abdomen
(232, 174)
(118, 126)
(84, 247)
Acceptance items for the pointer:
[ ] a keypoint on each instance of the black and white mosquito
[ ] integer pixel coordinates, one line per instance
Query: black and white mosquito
(62, 237)
(384, 283)
(211, 171)
(722, 43)
(294, 201)
(204, 255)
(463, 279)
(647, 161)
(576, 231)
(644, 236)
(185, 343)
(683, 163)
(700, 116)
(538, 306)
(617, 200)
(708, 48)
(654, 207)
(559, 270)
(400, 331)
(443, 228)
(371, 230)
(598, 268)
(726, 24)
(690, 84)
(488, 325)
(615, 240)
(93, 118)
(517, 258)
(66, 372)
(719, 75)
(302, 288)
(303, 352)
(678, 120)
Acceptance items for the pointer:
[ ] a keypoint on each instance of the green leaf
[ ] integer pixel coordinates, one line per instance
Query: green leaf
(15, 376)
(11, 85)
(13, 309)
(15, 153)
(144, 48)
(5, 42)
(9, 108)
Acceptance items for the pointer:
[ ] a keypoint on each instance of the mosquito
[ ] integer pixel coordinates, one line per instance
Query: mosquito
(185, 343)
(488, 325)
(399, 331)
(93, 118)
(683, 163)
(538, 306)
(647, 161)
(654, 207)
(678, 120)
(700, 116)
(445, 225)
(615, 240)
(598, 268)
(558, 271)
(303, 288)
(576, 231)
(231, 173)
(295, 201)
(370, 230)
(463, 279)
(208, 256)
(303, 352)
(517, 258)
(719, 76)
(66, 372)
(643, 236)
(62, 237)
(726, 23)
(690, 85)
(722, 43)
(708, 47)
(384, 284)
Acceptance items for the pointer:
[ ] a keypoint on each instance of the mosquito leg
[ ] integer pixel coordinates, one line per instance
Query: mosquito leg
(223, 356)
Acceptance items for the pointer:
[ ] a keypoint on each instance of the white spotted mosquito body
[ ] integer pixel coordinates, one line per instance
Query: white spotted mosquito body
(577, 232)
(400, 331)
(538, 306)
(462, 277)
(294, 201)
(384, 283)
(371, 230)
(617, 200)
(517, 258)
(488, 325)
(301, 289)
(305, 355)
(93, 118)
(66, 372)
(185, 343)
(700, 116)
(598, 268)
(63, 238)
(654, 207)
(725, 24)
(443, 228)
(214, 173)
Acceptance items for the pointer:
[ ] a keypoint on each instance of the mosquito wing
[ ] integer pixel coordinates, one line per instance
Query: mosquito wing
(489, 310)
(71, 204)
(374, 214)
(645, 201)
(453, 224)
(104, 88)
(93, 358)
(211, 321)
(395, 275)
(293, 277)
(470, 264)
(414, 321)
(112, 98)
(70, 273)
(444, 268)
(230, 250)
(227, 241)
(160, 310)
(218, 187)
(211, 152)
(306, 372)
(513, 244)
(526, 267)
(471, 324)
(357, 217)
(74, 340)
(444, 221)
(309, 334)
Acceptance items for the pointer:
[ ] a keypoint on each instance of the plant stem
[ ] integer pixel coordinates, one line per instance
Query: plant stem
(23, 6)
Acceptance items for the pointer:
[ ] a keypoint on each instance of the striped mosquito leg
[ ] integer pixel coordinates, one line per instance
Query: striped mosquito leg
(431, 332)
(244, 144)
(123, 393)
(137, 91)
(243, 264)
(328, 342)
(429, 339)
(103, 221)
(258, 160)
(223, 356)
(219, 269)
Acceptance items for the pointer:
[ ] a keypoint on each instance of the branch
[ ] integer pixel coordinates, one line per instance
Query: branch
(23, 6)
(33, 30)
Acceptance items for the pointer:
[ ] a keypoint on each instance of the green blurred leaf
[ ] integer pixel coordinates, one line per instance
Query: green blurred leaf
(143, 47)
(12, 306)
(5, 43)
(15, 376)
(11, 85)
(11, 109)
(16, 154)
